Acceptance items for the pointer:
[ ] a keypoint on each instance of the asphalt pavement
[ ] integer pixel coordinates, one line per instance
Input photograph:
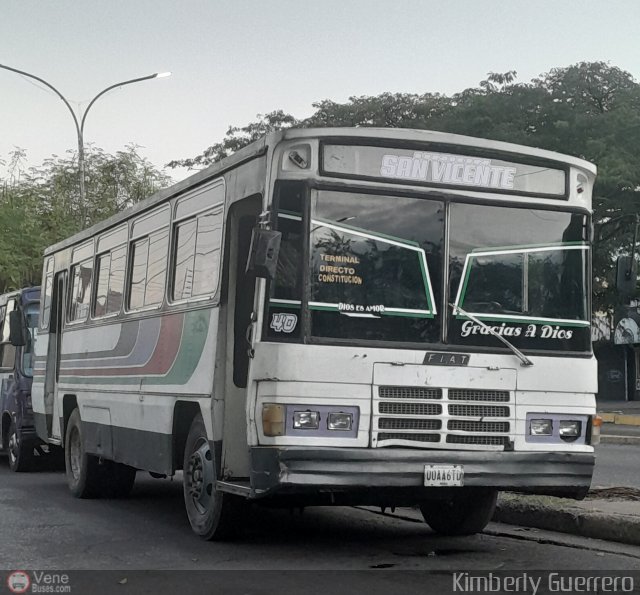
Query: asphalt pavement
(42, 526)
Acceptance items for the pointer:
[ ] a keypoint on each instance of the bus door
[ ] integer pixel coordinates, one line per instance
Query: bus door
(242, 218)
(52, 373)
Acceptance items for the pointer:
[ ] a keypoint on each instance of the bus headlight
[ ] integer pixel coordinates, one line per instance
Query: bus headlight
(541, 427)
(306, 420)
(569, 429)
(340, 421)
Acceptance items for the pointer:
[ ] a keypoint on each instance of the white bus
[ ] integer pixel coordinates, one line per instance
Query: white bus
(332, 316)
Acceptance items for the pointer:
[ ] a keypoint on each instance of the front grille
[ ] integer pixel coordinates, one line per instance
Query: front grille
(483, 440)
(410, 408)
(412, 437)
(478, 410)
(466, 425)
(466, 394)
(431, 416)
(390, 423)
(409, 392)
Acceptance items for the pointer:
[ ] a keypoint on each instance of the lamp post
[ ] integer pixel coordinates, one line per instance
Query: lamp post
(80, 125)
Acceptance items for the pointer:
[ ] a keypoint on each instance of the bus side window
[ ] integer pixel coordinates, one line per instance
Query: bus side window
(197, 258)
(48, 290)
(148, 270)
(7, 351)
(110, 285)
(81, 274)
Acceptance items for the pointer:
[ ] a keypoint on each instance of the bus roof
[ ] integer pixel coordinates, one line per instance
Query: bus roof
(260, 147)
(27, 295)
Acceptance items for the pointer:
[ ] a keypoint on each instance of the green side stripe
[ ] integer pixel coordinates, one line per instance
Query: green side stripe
(407, 314)
(525, 246)
(382, 236)
(192, 342)
(282, 304)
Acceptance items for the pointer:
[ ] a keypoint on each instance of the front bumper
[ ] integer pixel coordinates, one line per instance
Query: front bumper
(294, 470)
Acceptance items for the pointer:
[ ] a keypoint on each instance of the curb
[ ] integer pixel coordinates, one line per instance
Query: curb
(622, 419)
(612, 439)
(516, 510)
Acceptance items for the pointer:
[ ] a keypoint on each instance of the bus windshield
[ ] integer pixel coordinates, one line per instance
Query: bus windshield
(376, 267)
(377, 262)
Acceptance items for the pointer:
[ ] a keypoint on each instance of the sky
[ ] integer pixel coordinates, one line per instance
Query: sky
(233, 59)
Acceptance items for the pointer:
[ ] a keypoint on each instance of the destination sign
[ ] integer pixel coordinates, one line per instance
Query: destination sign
(443, 169)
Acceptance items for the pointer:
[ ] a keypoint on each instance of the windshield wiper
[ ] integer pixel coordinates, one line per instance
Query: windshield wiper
(521, 356)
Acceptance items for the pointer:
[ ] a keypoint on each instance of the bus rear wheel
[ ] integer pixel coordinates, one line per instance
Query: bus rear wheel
(82, 469)
(20, 456)
(87, 476)
(213, 515)
(464, 514)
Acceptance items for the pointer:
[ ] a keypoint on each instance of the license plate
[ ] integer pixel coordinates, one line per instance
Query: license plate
(444, 475)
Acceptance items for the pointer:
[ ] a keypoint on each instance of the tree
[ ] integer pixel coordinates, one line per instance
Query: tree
(590, 110)
(40, 206)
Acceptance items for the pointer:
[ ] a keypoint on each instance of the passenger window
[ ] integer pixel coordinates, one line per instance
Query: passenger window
(80, 290)
(48, 290)
(116, 280)
(197, 256)
(110, 283)
(148, 270)
(102, 288)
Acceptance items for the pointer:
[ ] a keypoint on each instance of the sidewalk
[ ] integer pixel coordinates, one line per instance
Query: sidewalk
(621, 422)
(612, 514)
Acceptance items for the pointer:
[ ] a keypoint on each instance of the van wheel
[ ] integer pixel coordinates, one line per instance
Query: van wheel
(465, 514)
(213, 515)
(20, 457)
(82, 469)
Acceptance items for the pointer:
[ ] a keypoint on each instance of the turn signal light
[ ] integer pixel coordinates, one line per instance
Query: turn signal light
(273, 417)
(596, 426)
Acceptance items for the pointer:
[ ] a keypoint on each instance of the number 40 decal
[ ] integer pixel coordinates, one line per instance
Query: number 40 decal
(283, 323)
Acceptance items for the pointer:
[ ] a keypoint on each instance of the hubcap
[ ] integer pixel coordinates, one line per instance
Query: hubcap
(13, 447)
(75, 453)
(200, 477)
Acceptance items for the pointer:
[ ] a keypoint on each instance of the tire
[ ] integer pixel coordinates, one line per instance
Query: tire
(20, 457)
(466, 514)
(213, 515)
(83, 470)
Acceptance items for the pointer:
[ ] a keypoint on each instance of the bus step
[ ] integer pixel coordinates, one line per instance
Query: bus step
(239, 487)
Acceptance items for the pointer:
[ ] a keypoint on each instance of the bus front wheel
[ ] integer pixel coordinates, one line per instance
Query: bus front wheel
(464, 514)
(213, 515)
(20, 455)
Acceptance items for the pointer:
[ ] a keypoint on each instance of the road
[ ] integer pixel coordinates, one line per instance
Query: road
(42, 526)
(617, 465)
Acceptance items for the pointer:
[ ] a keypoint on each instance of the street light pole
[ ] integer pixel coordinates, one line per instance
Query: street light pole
(80, 126)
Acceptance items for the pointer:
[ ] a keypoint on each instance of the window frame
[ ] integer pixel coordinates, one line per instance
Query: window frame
(70, 300)
(137, 237)
(194, 215)
(47, 283)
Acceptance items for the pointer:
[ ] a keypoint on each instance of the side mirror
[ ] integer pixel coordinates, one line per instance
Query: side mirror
(626, 276)
(263, 254)
(17, 330)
